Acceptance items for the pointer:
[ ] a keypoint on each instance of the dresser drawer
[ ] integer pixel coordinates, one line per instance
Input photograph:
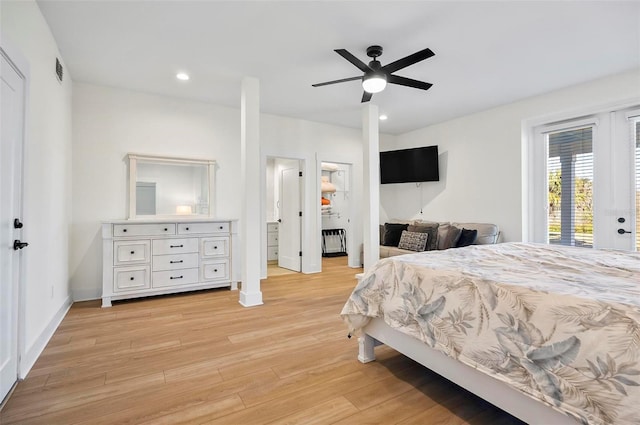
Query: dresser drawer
(214, 247)
(130, 252)
(272, 239)
(175, 246)
(272, 253)
(191, 228)
(175, 278)
(131, 278)
(214, 270)
(151, 229)
(174, 262)
(272, 227)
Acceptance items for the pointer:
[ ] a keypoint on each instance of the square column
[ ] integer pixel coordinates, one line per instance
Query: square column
(371, 185)
(250, 295)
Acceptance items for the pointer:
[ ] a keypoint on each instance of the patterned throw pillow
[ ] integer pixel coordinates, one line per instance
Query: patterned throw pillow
(413, 241)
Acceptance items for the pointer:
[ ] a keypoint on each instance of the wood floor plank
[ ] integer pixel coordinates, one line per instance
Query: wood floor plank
(201, 358)
(324, 413)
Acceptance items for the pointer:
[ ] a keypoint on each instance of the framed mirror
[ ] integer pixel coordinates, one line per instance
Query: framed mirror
(165, 186)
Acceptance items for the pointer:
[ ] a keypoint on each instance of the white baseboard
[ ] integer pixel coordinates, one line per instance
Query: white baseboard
(250, 299)
(31, 355)
(86, 294)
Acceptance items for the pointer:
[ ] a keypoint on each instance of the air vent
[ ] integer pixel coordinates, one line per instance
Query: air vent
(59, 70)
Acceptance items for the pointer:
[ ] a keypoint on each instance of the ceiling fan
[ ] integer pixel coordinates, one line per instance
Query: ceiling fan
(376, 76)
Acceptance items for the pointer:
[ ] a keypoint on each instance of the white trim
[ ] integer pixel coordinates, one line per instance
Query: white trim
(634, 113)
(170, 159)
(581, 112)
(31, 355)
(568, 125)
(86, 294)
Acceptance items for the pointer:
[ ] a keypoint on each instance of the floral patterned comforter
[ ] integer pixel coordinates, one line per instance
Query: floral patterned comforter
(561, 324)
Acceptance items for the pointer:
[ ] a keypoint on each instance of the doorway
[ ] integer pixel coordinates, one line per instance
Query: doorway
(284, 215)
(12, 95)
(335, 210)
(584, 185)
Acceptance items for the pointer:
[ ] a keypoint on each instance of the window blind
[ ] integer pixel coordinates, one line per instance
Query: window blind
(570, 187)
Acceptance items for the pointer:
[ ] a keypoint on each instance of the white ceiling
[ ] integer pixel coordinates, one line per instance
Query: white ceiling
(487, 53)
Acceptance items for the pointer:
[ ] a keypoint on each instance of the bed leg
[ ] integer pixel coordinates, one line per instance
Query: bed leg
(365, 351)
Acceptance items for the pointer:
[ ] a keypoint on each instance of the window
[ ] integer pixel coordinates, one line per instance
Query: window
(570, 187)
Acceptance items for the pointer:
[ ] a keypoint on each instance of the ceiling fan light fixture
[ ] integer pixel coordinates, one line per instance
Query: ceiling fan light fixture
(374, 83)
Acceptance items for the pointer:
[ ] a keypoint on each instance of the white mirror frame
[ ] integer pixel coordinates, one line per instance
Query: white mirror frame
(133, 172)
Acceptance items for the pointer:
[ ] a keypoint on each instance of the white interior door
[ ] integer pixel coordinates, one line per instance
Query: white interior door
(12, 119)
(290, 220)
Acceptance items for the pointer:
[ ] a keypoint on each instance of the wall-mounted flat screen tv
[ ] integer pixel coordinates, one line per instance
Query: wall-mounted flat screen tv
(409, 165)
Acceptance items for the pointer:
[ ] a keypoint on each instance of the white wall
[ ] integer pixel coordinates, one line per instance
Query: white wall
(314, 142)
(481, 158)
(110, 122)
(47, 176)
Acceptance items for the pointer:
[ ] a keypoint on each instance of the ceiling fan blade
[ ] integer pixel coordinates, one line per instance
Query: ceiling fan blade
(337, 81)
(366, 96)
(354, 60)
(408, 60)
(409, 82)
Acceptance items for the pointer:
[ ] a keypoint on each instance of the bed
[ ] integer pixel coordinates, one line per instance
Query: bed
(550, 334)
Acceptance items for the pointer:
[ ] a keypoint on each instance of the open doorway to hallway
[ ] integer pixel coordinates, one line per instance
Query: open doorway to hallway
(283, 215)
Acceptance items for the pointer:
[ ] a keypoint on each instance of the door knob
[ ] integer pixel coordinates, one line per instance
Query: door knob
(279, 220)
(17, 244)
(17, 224)
(622, 231)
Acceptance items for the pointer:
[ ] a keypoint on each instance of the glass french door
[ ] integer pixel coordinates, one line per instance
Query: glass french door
(588, 174)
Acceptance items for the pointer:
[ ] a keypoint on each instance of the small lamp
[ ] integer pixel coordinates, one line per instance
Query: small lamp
(183, 210)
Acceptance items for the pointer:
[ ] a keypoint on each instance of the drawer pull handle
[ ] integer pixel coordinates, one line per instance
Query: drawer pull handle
(215, 247)
(176, 246)
(220, 227)
(177, 261)
(187, 228)
(175, 277)
(131, 278)
(165, 229)
(124, 230)
(215, 270)
(133, 252)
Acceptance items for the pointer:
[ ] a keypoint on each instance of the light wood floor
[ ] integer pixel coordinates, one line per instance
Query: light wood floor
(203, 358)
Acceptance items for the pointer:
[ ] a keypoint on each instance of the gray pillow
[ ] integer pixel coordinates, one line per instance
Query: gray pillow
(450, 239)
(431, 230)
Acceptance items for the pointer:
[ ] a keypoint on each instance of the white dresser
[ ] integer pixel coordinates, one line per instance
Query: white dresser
(153, 257)
(272, 241)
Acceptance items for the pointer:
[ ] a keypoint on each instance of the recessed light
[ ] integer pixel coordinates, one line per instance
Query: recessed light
(383, 117)
(182, 76)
